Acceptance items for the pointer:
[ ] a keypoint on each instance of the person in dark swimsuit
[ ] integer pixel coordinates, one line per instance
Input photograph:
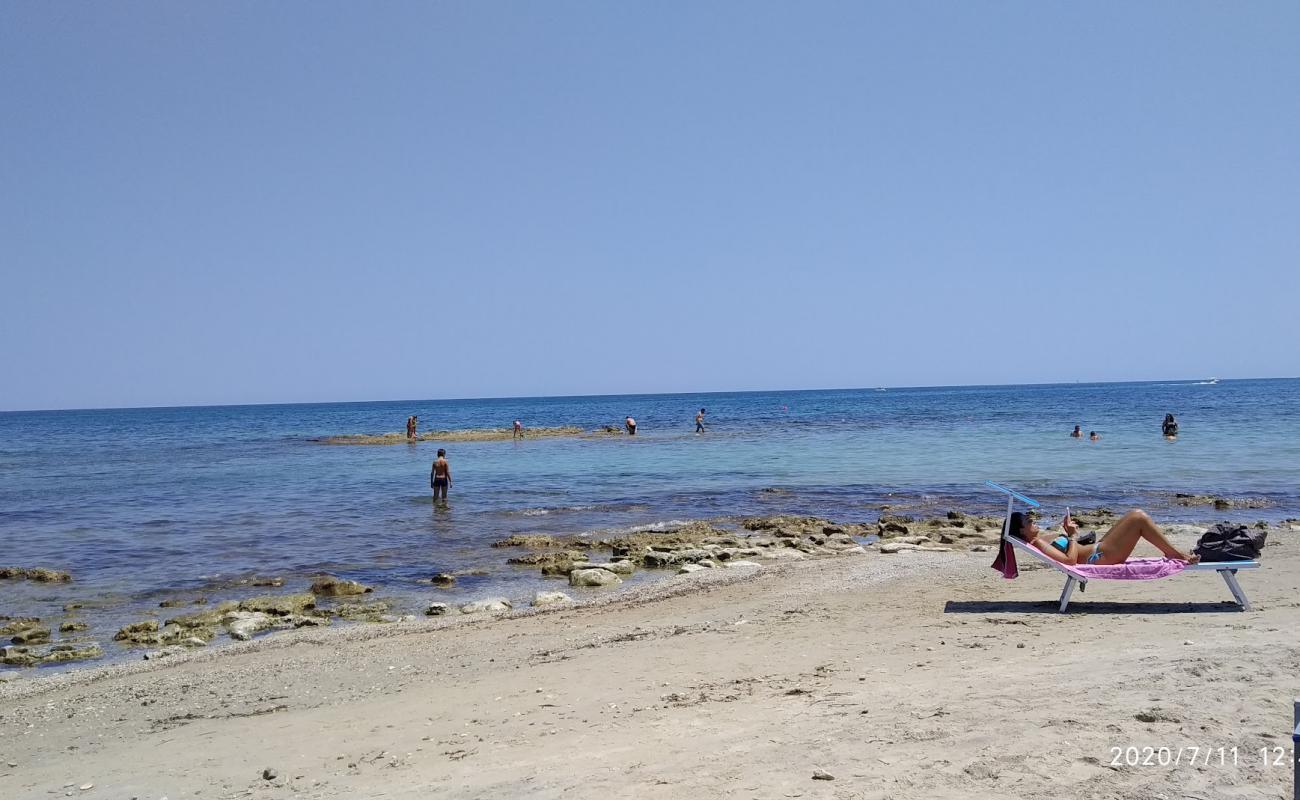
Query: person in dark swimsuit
(1169, 427)
(631, 426)
(440, 477)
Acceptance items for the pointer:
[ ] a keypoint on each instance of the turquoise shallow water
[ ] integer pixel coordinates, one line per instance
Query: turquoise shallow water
(139, 503)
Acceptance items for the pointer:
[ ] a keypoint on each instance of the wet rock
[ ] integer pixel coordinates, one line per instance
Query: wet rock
(330, 586)
(658, 560)
(38, 574)
(12, 625)
(623, 567)
(307, 621)
(493, 605)
(61, 653)
(374, 611)
(272, 581)
(437, 610)
(443, 579)
(527, 540)
(243, 625)
(686, 569)
(139, 632)
(74, 625)
(205, 619)
(281, 605)
(42, 575)
(18, 657)
(593, 577)
(551, 599)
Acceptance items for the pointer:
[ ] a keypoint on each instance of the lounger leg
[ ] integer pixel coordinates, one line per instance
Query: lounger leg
(1234, 587)
(1066, 592)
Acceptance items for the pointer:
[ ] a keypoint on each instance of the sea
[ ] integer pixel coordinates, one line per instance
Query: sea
(151, 504)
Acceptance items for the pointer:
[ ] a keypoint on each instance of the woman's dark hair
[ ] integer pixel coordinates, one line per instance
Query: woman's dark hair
(1169, 417)
(1019, 522)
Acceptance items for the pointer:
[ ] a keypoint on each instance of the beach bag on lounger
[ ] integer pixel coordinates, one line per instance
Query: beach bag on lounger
(1227, 542)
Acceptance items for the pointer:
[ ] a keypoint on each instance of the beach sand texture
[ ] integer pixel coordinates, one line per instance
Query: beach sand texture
(917, 675)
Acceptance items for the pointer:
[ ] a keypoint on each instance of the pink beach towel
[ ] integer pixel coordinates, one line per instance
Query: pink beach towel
(1137, 569)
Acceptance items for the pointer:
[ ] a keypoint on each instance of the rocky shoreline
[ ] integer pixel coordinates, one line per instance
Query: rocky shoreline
(583, 562)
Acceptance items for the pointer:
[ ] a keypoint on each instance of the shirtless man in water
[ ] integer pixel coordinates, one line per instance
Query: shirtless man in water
(440, 476)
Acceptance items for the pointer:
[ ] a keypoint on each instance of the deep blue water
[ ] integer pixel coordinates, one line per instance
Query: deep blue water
(137, 503)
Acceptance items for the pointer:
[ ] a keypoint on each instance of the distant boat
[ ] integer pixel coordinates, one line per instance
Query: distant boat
(1212, 381)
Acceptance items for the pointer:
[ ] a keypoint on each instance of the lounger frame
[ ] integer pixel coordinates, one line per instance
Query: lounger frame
(1227, 569)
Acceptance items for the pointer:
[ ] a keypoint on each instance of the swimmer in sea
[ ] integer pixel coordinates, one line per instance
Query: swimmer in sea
(1077, 433)
(1093, 436)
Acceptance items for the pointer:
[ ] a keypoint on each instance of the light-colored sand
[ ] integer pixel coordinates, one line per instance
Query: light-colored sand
(919, 675)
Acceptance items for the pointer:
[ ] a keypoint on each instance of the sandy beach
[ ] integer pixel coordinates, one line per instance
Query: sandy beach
(915, 675)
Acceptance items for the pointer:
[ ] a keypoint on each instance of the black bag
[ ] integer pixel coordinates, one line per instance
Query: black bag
(1228, 542)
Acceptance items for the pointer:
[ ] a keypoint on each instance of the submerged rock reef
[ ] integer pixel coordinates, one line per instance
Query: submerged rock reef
(467, 435)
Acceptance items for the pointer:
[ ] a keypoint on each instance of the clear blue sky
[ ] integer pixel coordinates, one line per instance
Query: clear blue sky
(258, 202)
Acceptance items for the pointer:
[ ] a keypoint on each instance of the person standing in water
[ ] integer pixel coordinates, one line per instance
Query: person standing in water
(519, 429)
(1093, 436)
(411, 422)
(440, 477)
(631, 426)
(1077, 433)
(1169, 427)
(699, 422)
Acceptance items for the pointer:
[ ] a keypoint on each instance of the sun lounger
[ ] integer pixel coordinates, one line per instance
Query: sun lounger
(1134, 569)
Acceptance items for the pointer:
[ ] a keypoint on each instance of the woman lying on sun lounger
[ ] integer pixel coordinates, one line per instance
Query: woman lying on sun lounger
(1113, 548)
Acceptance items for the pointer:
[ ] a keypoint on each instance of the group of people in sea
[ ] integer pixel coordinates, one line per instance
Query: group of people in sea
(1169, 429)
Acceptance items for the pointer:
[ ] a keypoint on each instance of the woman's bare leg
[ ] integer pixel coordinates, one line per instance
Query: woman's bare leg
(1118, 543)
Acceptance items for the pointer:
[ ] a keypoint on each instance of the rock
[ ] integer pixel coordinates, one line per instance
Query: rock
(13, 625)
(623, 567)
(269, 774)
(593, 577)
(492, 605)
(818, 775)
(707, 563)
(551, 599)
(275, 581)
(330, 586)
(18, 657)
(138, 631)
(307, 621)
(686, 569)
(443, 579)
(242, 625)
(437, 610)
(280, 604)
(33, 635)
(374, 611)
(656, 559)
(742, 564)
(981, 548)
(61, 653)
(74, 625)
(527, 540)
(38, 574)
(897, 547)
(855, 550)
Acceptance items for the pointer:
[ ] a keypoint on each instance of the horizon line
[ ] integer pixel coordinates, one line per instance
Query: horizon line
(1190, 381)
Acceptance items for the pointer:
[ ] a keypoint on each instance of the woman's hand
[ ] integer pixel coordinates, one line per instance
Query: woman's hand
(1069, 527)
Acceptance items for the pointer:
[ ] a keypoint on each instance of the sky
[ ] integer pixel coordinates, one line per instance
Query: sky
(244, 202)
